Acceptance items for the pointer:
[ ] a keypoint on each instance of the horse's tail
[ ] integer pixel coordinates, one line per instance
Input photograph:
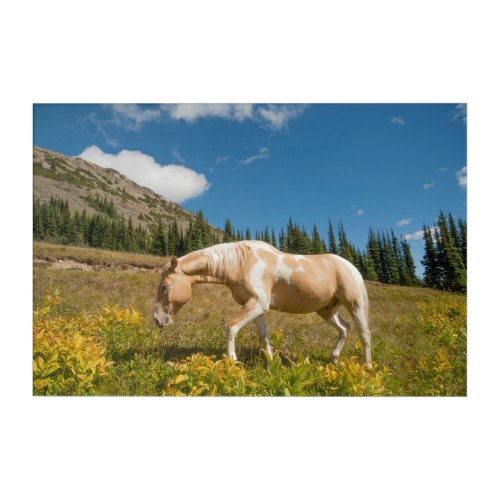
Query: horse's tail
(366, 302)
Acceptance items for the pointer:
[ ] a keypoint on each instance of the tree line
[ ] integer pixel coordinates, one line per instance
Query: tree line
(386, 258)
(445, 258)
(54, 222)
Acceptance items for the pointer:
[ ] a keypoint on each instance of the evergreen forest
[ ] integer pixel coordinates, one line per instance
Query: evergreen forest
(386, 257)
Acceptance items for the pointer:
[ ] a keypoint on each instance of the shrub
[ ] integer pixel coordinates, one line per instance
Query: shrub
(443, 371)
(351, 378)
(68, 356)
(142, 375)
(200, 375)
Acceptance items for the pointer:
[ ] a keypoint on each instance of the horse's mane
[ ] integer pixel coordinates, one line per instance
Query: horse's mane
(224, 259)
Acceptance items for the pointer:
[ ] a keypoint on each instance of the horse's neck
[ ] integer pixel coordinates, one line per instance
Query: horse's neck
(196, 280)
(195, 265)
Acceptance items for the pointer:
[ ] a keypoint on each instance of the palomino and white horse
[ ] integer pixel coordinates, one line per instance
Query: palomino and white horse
(261, 278)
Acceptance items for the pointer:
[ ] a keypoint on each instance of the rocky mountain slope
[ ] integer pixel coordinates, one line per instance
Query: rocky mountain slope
(79, 182)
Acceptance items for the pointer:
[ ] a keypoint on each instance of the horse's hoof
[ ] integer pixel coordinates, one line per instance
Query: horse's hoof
(368, 366)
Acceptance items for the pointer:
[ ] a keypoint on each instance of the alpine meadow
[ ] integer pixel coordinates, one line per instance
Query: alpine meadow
(122, 200)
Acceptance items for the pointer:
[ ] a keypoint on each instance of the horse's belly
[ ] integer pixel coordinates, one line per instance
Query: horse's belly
(292, 299)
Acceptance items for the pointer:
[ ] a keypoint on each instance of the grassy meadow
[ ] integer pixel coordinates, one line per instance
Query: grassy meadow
(93, 335)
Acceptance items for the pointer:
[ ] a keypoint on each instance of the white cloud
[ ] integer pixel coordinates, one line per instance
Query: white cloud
(396, 120)
(360, 211)
(263, 153)
(418, 235)
(404, 222)
(177, 156)
(132, 116)
(193, 112)
(101, 128)
(462, 177)
(277, 117)
(460, 113)
(430, 185)
(174, 182)
(442, 169)
(222, 159)
(274, 116)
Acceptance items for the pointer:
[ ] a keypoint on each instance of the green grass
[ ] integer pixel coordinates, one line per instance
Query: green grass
(418, 337)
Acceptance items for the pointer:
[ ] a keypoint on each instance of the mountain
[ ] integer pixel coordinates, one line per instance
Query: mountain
(79, 182)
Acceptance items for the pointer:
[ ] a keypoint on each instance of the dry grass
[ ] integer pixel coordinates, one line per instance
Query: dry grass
(95, 256)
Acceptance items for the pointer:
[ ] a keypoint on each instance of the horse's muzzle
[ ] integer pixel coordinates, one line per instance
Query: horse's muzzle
(162, 319)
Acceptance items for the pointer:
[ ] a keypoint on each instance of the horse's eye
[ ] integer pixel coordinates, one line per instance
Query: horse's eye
(165, 288)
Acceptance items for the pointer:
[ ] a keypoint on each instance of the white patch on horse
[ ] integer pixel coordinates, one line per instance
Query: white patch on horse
(358, 279)
(300, 268)
(255, 280)
(283, 271)
(222, 257)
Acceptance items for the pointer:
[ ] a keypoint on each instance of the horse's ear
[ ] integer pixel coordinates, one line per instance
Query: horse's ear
(173, 262)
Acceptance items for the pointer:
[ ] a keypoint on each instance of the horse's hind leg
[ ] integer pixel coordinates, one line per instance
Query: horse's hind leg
(361, 322)
(262, 328)
(331, 316)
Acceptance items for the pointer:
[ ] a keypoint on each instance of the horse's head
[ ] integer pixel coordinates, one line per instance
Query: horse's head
(173, 292)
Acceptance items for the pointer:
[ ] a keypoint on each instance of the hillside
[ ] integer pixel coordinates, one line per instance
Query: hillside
(79, 181)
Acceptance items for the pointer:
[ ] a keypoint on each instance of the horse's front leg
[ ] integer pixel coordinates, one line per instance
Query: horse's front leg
(263, 329)
(251, 310)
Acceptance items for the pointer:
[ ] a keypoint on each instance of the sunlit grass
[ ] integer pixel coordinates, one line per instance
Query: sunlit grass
(419, 339)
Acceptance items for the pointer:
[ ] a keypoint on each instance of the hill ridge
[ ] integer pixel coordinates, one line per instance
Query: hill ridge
(76, 180)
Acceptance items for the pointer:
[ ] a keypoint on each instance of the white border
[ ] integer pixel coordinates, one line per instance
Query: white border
(224, 51)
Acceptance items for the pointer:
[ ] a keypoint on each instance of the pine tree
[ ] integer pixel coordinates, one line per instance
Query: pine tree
(332, 243)
(248, 236)
(69, 233)
(344, 246)
(49, 222)
(370, 271)
(228, 232)
(133, 247)
(159, 244)
(393, 274)
(455, 237)
(462, 225)
(373, 252)
(305, 244)
(452, 267)
(292, 237)
(410, 275)
(266, 237)
(316, 244)
(282, 241)
(38, 231)
(273, 239)
(403, 278)
(385, 273)
(430, 260)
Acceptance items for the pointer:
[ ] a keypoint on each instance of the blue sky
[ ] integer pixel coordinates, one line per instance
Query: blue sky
(380, 165)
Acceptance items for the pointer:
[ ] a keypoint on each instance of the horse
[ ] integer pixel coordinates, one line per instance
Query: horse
(261, 277)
